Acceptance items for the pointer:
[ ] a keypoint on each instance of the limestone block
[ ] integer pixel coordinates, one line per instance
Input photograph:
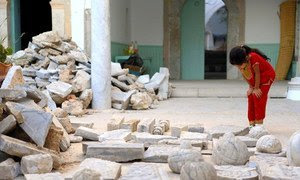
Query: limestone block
(65, 142)
(143, 79)
(194, 136)
(155, 81)
(293, 150)
(41, 83)
(60, 113)
(262, 163)
(130, 124)
(75, 139)
(65, 75)
(140, 101)
(13, 77)
(236, 172)
(87, 133)
(250, 142)
(146, 125)
(60, 59)
(51, 104)
(86, 97)
(229, 150)
(176, 129)
(115, 123)
(220, 130)
(120, 85)
(257, 132)
(120, 134)
(198, 171)
(73, 107)
(122, 98)
(43, 74)
(9, 169)
(164, 86)
(116, 69)
(60, 88)
(12, 95)
(78, 56)
(195, 143)
(198, 128)
(281, 172)
(54, 138)
(65, 122)
(56, 176)
(77, 123)
(149, 139)
(81, 82)
(46, 39)
(36, 164)
(86, 174)
(7, 124)
(29, 72)
(269, 144)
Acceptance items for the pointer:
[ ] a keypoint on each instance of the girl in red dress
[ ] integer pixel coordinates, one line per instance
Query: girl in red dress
(259, 74)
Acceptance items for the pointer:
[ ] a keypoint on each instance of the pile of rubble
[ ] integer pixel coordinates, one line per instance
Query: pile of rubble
(57, 66)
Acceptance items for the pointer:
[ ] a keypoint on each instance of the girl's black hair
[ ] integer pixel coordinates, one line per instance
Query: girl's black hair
(238, 54)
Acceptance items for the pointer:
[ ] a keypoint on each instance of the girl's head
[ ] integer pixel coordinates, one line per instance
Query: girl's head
(239, 54)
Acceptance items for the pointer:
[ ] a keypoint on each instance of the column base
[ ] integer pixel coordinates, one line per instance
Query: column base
(294, 89)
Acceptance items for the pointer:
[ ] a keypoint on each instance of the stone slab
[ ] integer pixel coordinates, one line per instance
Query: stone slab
(7, 124)
(176, 130)
(250, 142)
(220, 130)
(145, 171)
(75, 139)
(36, 164)
(146, 125)
(63, 91)
(130, 124)
(194, 136)
(199, 128)
(76, 124)
(87, 133)
(47, 176)
(12, 95)
(118, 152)
(13, 77)
(120, 134)
(281, 172)
(65, 142)
(236, 172)
(149, 139)
(177, 142)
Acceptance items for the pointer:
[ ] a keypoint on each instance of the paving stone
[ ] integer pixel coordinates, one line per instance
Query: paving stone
(13, 77)
(198, 170)
(269, 144)
(195, 143)
(20, 148)
(176, 129)
(86, 97)
(198, 128)
(54, 138)
(250, 142)
(87, 133)
(9, 169)
(118, 152)
(12, 95)
(63, 91)
(194, 136)
(120, 134)
(145, 171)
(130, 124)
(108, 170)
(47, 176)
(236, 172)
(37, 164)
(76, 124)
(8, 124)
(115, 123)
(220, 130)
(160, 153)
(75, 139)
(149, 139)
(81, 81)
(146, 125)
(86, 174)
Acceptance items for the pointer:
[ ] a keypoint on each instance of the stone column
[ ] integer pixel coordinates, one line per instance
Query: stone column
(101, 54)
(3, 21)
(294, 85)
(61, 17)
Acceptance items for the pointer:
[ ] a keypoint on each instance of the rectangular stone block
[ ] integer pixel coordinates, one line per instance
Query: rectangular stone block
(86, 144)
(146, 125)
(20, 148)
(65, 141)
(120, 134)
(177, 142)
(250, 142)
(194, 136)
(56, 176)
(149, 139)
(119, 152)
(115, 123)
(176, 130)
(87, 133)
(145, 171)
(220, 130)
(130, 124)
(7, 124)
(76, 124)
(63, 91)
(9, 169)
(198, 128)
(12, 95)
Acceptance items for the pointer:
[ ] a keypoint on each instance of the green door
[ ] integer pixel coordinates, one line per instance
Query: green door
(192, 40)
(15, 26)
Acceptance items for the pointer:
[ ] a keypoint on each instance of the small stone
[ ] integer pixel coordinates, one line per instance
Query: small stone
(130, 124)
(43, 74)
(268, 144)
(54, 138)
(36, 164)
(141, 101)
(176, 130)
(293, 150)
(86, 97)
(149, 139)
(250, 142)
(60, 113)
(81, 82)
(52, 66)
(78, 56)
(65, 122)
(257, 132)
(41, 83)
(13, 78)
(87, 133)
(146, 125)
(47, 176)
(60, 59)
(76, 124)
(236, 172)
(198, 170)
(9, 169)
(63, 91)
(116, 69)
(220, 130)
(73, 107)
(75, 139)
(8, 124)
(198, 128)
(120, 134)
(29, 72)
(86, 174)
(107, 169)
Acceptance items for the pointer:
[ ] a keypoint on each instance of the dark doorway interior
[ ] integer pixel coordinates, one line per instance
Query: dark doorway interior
(215, 64)
(35, 18)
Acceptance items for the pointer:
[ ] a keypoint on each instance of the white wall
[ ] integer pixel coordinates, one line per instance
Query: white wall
(262, 22)
(147, 22)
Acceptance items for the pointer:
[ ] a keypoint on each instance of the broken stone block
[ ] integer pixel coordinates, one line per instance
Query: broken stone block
(36, 164)
(146, 125)
(86, 97)
(143, 79)
(293, 149)
(198, 170)
(236, 172)
(176, 129)
(51, 104)
(7, 124)
(120, 85)
(164, 86)
(75, 139)
(65, 142)
(144, 171)
(9, 169)
(13, 77)
(149, 139)
(63, 91)
(20, 148)
(12, 95)
(229, 150)
(52, 66)
(86, 144)
(87, 174)
(220, 130)
(107, 169)
(161, 126)
(81, 81)
(56, 176)
(118, 152)
(87, 133)
(41, 83)
(21, 58)
(54, 138)
(177, 142)
(73, 107)
(155, 81)
(198, 128)
(115, 123)
(141, 101)
(43, 74)
(122, 98)
(130, 124)
(250, 142)
(36, 95)
(257, 132)
(65, 122)
(194, 136)
(78, 56)
(120, 134)
(116, 69)
(60, 59)
(76, 124)
(65, 75)
(269, 144)
(60, 113)
(46, 39)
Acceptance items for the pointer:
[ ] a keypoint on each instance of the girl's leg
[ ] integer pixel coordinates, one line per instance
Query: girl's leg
(251, 110)
(260, 104)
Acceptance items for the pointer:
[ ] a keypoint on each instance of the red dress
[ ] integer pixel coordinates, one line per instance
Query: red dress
(257, 106)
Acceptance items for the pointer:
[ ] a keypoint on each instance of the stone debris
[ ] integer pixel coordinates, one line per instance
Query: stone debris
(198, 170)
(120, 134)
(7, 124)
(220, 130)
(176, 130)
(146, 125)
(36, 164)
(293, 149)
(76, 124)
(87, 133)
(141, 101)
(54, 138)
(115, 123)
(13, 78)
(9, 169)
(236, 172)
(195, 136)
(269, 144)
(130, 124)
(145, 171)
(12, 95)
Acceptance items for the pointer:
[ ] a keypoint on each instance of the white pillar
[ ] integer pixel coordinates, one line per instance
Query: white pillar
(101, 55)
